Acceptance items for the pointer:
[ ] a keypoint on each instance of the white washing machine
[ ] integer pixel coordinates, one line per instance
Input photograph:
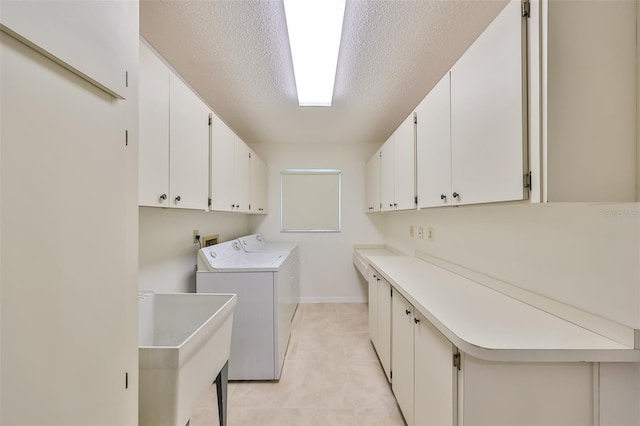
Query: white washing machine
(261, 323)
(254, 243)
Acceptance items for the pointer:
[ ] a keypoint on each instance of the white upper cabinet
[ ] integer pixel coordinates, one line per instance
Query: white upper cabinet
(90, 38)
(221, 188)
(488, 133)
(174, 139)
(258, 178)
(189, 147)
(433, 146)
(387, 194)
(397, 168)
(242, 175)
(372, 184)
(404, 157)
(153, 162)
(230, 177)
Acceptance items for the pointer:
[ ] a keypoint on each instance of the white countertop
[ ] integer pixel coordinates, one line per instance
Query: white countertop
(490, 325)
(361, 254)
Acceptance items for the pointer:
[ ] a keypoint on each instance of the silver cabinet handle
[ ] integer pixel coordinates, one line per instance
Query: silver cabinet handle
(456, 195)
(443, 197)
(178, 198)
(163, 197)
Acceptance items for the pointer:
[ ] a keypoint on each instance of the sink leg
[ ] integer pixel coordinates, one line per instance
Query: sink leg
(221, 388)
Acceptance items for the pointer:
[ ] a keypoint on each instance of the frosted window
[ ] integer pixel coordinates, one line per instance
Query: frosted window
(311, 200)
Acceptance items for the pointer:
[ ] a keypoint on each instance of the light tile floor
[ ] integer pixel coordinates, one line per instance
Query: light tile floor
(331, 377)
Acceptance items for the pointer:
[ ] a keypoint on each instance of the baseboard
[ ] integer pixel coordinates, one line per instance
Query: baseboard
(357, 299)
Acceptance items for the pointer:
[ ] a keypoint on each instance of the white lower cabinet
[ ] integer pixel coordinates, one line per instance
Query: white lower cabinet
(380, 319)
(435, 376)
(422, 366)
(402, 355)
(432, 391)
(373, 306)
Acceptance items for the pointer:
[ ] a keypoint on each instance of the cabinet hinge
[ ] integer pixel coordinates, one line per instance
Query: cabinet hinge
(457, 360)
(527, 180)
(209, 202)
(249, 155)
(210, 120)
(380, 154)
(415, 200)
(391, 374)
(126, 138)
(249, 206)
(415, 118)
(126, 79)
(126, 380)
(526, 9)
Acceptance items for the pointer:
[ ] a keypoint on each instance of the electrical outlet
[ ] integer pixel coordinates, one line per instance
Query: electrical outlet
(420, 232)
(196, 236)
(411, 230)
(430, 233)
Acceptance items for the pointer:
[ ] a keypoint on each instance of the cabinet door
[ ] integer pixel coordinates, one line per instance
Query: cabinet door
(222, 166)
(258, 180)
(384, 326)
(153, 151)
(373, 306)
(404, 157)
(188, 147)
(242, 173)
(434, 376)
(387, 175)
(69, 324)
(94, 39)
(372, 184)
(487, 109)
(433, 146)
(402, 355)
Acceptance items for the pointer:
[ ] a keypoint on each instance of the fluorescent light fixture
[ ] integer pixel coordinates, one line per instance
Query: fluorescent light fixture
(315, 28)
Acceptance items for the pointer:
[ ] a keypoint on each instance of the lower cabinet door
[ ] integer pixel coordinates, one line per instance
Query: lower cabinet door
(402, 326)
(373, 307)
(435, 376)
(384, 326)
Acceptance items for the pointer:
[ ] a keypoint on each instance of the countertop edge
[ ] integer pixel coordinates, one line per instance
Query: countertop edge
(514, 355)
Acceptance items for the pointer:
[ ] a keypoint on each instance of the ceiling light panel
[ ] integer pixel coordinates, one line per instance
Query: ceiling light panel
(315, 28)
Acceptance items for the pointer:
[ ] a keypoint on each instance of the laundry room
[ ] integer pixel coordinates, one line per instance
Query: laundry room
(449, 236)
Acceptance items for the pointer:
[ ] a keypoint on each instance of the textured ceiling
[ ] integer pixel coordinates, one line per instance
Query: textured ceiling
(235, 53)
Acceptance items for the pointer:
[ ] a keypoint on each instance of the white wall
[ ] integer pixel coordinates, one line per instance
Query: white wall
(167, 252)
(585, 255)
(327, 273)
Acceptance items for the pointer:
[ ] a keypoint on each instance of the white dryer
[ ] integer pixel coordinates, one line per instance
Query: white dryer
(254, 243)
(261, 323)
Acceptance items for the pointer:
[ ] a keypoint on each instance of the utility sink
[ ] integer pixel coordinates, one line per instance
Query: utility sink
(184, 341)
